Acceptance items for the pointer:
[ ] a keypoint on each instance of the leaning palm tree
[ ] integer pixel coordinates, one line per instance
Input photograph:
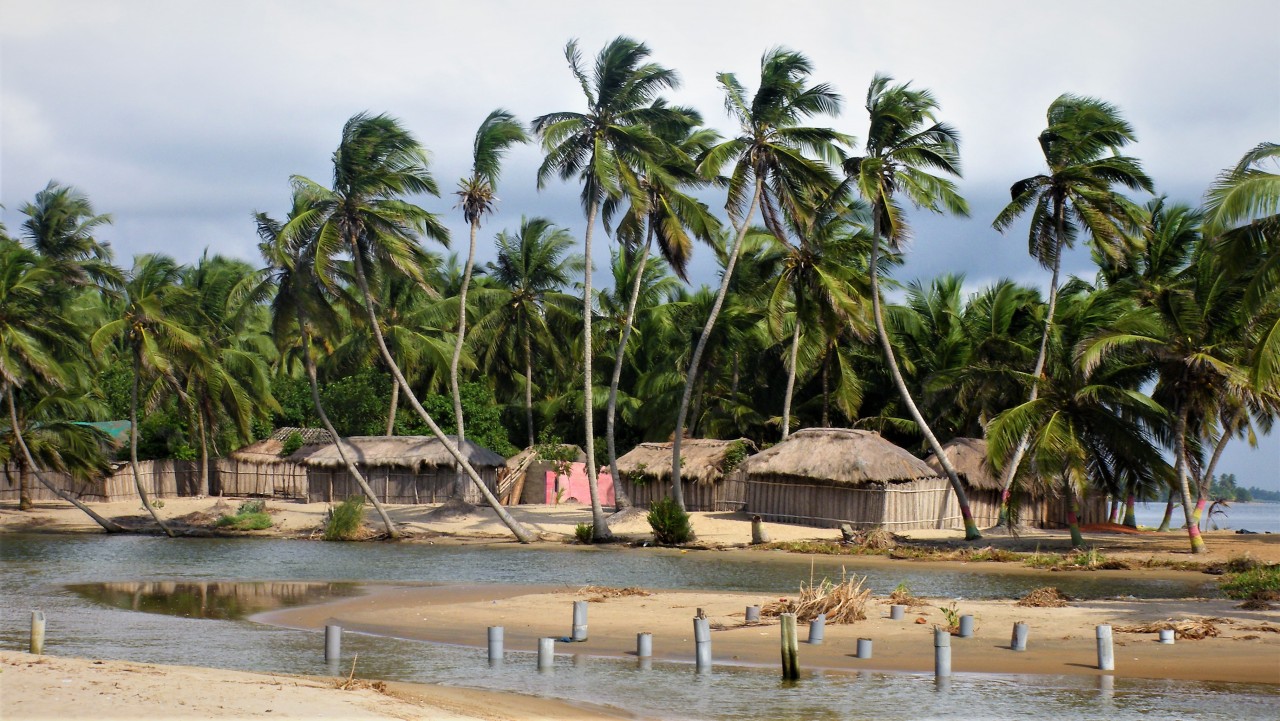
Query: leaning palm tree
(364, 215)
(61, 227)
(157, 343)
(1081, 149)
(477, 194)
(29, 337)
(768, 158)
(603, 147)
(672, 217)
(904, 142)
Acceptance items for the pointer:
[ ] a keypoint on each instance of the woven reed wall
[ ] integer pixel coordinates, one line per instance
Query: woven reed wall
(728, 494)
(392, 485)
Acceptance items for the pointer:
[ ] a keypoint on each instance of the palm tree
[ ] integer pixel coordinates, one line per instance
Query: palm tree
(1081, 149)
(375, 164)
(532, 266)
(477, 194)
(157, 342)
(904, 142)
(603, 146)
(670, 216)
(29, 338)
(60, 227)
(768, 157)
(299, 304)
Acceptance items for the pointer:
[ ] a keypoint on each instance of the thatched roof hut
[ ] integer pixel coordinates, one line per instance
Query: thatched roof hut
(418, 453)
(969, 457)
(269, 449)
(711, 475)
(702, 460)
(839, 456)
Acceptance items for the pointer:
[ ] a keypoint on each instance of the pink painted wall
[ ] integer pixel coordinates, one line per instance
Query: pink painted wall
(576, 489)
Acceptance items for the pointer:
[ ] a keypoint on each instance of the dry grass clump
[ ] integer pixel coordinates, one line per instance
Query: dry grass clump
(902, 596)
(1257, 604)
(1044, 597)
(1264, 628)
(599, 594)
(1186, 628)
(843, 602)
(879, 539)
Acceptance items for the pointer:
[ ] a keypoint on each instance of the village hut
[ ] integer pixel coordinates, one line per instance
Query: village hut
(263, 468)
(829, 476)
(523, 478)
(1036, 503)
(710, 473)
(400, 469)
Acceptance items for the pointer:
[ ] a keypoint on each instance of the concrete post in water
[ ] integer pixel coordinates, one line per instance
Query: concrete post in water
(546, 654)
(644, 645)
(790, 648)
(1166, 635)
(332, 643)
(579, 621)
(753, 614)
(864, 648)
(702, 643)
(495, 644)
(941, 652)
(37, 632)
(966, 626)
(1106, 654)
(896, 611)
(1019, 640)
(817, 629)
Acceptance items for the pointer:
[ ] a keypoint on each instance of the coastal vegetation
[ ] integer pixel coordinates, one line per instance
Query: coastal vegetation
(1129, 382)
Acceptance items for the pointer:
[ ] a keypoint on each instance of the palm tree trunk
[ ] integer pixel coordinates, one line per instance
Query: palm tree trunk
(391, 414)
(1207, 480)
(1073, 515)
(460, 485)
(599, 524)
(1168, 512)
(362, 280)
(677, 493)
(621, 499)
(971, 532)
(1130, 512)
(826, 389)
(133, 447)
(24, 488)
(203, 491)
(1011, 468)
(108, 526)
(338, 441)
(528, 388)
(791, 378)
(1114, 514)
(1180, 467)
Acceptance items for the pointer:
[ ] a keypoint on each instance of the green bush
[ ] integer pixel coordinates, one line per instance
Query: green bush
(669, 522)
(250, 516)
(734, 455)
(583, 532)
(292, 442)
(248, 507)
(1260, 584)
(345, 520)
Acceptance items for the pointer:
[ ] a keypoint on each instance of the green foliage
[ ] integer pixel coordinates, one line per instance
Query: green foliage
(669, 522)
(291, 443)
(357, 404)
(184, 452)
(250, 516)
(345, 520)
(582, 532)
(294, 396)
(952, 615)
(733, 455)
(482, 412)
(1261, 583)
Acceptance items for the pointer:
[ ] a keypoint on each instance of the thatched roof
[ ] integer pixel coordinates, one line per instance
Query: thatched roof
(969, 457)
(267, 451)
(415, 452)
(841, 456)
(701, 459)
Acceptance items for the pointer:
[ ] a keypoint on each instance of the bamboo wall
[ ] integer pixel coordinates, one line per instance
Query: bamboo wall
(394, 485)
(728, 494)
(277, 480)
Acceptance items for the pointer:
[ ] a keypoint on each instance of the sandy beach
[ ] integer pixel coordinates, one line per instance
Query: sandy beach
(1246, 649)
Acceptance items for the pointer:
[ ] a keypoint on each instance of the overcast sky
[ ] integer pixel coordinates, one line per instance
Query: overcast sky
(180, 118)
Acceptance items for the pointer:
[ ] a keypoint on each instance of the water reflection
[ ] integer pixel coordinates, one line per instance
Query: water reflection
(223, 600)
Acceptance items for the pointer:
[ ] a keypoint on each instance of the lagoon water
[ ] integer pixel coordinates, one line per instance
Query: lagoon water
(48, 572)
(1259, 517)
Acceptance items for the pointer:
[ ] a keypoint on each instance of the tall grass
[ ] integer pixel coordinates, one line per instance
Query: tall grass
(345, 521)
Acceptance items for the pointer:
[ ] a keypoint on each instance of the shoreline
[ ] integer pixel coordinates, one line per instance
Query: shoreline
(1062, 639)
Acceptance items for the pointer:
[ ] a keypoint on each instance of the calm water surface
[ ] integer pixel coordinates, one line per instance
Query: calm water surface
(1260, 517)
(50, 573)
